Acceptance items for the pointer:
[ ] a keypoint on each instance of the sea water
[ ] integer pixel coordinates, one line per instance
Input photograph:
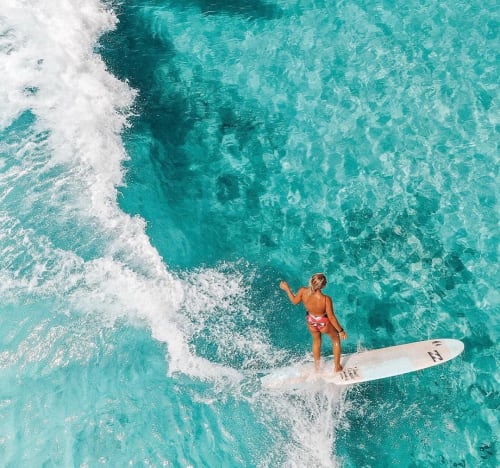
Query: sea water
(164, 164)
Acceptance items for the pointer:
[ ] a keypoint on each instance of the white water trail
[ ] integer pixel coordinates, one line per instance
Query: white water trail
(49, 68)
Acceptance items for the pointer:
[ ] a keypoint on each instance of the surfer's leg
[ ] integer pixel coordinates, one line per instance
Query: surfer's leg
(316, 346)
(337, 348)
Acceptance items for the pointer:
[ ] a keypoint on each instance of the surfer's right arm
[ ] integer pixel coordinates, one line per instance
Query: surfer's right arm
(294, 298)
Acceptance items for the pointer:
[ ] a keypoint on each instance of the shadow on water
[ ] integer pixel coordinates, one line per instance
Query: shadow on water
(141, 52)
(133, 54)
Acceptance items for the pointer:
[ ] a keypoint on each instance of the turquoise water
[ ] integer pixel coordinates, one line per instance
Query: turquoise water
(164, 164)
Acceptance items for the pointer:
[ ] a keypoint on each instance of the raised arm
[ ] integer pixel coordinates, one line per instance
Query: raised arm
(294, 298)
(333, 319)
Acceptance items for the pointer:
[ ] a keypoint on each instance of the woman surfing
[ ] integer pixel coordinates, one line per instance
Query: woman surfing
(320, 316)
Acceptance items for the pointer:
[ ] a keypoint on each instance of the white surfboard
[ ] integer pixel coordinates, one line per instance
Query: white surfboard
(368, 365)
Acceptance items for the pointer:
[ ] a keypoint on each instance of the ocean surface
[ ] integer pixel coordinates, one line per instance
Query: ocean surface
(165, 163)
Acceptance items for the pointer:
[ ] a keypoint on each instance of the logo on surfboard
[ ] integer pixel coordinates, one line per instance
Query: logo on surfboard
(349, 374)
(435, 356)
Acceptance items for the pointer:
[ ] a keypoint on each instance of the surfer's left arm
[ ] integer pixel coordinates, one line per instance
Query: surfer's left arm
(294, 298)
(333, 319)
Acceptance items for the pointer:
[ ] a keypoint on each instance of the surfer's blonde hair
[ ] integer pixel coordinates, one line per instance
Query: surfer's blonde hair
(317, 282)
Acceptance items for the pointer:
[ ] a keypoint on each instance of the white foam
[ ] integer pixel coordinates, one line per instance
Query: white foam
(48, 66)
(312, 417)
